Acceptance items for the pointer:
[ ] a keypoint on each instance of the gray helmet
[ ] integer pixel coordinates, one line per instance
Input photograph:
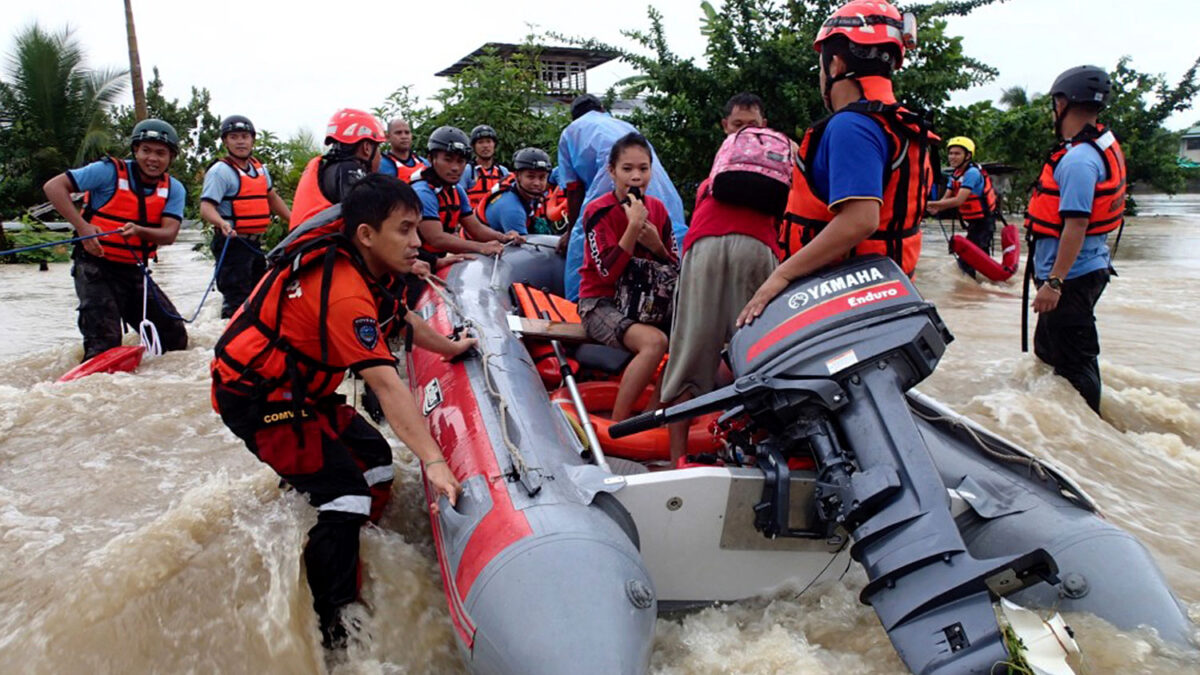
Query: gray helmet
(154, 130)
(237, 123)
(531, 158)
(450, 139)
(585, 103)
(483, 131)
(1083, 84)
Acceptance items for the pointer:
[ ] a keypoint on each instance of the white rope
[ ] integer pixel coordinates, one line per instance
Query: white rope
(1035, 465)
(147, 331)
(514, 453)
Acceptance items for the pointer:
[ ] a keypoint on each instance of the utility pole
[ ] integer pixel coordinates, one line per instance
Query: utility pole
(135, 66)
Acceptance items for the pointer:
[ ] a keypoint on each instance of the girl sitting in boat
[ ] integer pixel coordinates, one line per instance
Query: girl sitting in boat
(629, 269)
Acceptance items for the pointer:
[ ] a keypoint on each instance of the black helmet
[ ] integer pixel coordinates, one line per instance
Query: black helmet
(483, 131)
(450, 139)
(1083, 84)
(154, 130)
(585, 103)
(531, 158)
(237, 123)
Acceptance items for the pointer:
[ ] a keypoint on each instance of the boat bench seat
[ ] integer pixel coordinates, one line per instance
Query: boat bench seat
(534, 303)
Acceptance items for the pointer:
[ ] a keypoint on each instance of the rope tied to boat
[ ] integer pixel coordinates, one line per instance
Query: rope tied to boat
(1035, 465)
(147, 331)
(520, 465)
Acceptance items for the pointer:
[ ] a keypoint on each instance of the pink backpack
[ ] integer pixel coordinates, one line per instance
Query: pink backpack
(753, 168)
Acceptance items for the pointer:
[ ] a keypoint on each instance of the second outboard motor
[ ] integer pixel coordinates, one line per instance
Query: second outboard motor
(824, 371)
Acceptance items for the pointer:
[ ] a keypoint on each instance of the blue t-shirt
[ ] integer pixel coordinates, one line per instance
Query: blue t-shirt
(855, 170)
(508, 213)
(387, 167)
(1076, 174)
(221, 182)
(99, 180)
(468, 178)
(972, 180)
(429, 201)
(583, 151)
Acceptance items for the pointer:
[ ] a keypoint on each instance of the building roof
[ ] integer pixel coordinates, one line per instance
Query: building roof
(589, 57)
(1194, 132)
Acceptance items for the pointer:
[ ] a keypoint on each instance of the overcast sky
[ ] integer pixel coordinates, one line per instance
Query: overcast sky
(289, 64)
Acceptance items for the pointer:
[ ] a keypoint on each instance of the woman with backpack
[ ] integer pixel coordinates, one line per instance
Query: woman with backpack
(730, 249)
(629, 269)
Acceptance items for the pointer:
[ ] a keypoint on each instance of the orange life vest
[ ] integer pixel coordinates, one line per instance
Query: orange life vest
(308, 201)
(485, 180)
(255, 345)
(909, 173)
(556, 205)
(509, 184)
(1108, 201)
(405, 170)
(449, 206)
(129, 204)
(251, 210)
(977, 206)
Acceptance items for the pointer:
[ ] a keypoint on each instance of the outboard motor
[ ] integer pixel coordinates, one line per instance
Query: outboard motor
(824, 372)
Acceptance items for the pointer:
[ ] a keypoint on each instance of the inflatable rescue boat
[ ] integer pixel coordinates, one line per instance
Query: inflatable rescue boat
(552, 563)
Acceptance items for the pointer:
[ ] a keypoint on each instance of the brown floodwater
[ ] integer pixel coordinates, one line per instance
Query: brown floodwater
(137, 535)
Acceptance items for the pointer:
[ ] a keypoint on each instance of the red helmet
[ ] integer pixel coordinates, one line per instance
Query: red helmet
(871, 22)
(350, 126)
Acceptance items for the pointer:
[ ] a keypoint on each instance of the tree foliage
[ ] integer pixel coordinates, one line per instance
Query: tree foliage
(765, 47)
(53, 112)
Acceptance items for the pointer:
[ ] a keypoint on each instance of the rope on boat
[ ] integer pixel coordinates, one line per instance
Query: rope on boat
(147, 331)
(1035, 465)
(514, 452)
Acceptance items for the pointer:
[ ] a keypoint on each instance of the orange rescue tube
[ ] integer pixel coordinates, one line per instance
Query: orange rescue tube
(1010, 257)
(116, 360)
(646, 446)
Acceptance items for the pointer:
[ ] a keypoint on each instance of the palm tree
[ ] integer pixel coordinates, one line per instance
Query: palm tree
(1014, 97)
(54, 107)
(135, 66)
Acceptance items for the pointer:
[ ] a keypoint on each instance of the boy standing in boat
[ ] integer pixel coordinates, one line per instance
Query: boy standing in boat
(142, 205)
(277, 368)
(1078, 199)
(971, 192)
(238, 199)
(862, 174)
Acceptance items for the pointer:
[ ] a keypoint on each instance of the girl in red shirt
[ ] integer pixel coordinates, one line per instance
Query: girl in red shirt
(618, 227)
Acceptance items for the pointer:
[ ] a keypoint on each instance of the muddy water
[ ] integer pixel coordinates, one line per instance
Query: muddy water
(137, 535)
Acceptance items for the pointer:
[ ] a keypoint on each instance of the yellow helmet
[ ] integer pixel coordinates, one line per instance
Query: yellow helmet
(962, 142)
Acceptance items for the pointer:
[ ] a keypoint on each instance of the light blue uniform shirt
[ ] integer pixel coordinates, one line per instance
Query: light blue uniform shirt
(1076, 174)
(387, 167)
(583, 151)
(99, 180)
(221, 182)
(468, 178)
(508, 213)
(973, 181)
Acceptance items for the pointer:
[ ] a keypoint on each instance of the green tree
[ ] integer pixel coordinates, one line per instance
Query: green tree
(506, 94)
(53, 113)
(765, 47)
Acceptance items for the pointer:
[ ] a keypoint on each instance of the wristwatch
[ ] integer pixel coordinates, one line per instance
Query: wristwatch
(1055, 284)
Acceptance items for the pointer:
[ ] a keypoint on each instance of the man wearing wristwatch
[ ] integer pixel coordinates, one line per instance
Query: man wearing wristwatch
(1078, 199)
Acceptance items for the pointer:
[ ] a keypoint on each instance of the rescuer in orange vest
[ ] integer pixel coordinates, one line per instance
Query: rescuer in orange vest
(863, 174)
(972, 193)
(353, 137)
(238, 199)
(142, 205)
(484, 172)
(399, 160)
(1079, 198)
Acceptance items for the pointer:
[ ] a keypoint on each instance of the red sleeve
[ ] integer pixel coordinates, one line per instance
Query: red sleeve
(659, 216)
(607, 257)
(355, 338)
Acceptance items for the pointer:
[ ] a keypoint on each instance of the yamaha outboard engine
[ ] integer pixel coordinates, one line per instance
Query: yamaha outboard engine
(824, 371)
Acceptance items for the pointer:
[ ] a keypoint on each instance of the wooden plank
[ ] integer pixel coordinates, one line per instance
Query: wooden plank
(548, 330)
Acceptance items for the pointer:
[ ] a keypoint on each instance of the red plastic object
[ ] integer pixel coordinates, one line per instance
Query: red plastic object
(122, 359)
(1010, 243)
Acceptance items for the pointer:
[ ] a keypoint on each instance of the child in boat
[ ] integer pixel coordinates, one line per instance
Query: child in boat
(620, 226)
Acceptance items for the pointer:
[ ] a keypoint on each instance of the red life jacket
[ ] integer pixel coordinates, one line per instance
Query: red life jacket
(129, 204)
(405, 169)
(908, 175)
(556, 205)
(509, 184)
(308, 201)
(255, 345)
(449, 206)
(977, 206)
(485, 180)
(1108, 200)
(251, 210)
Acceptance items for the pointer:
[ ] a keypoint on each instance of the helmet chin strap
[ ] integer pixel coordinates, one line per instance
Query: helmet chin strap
(830, 80)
